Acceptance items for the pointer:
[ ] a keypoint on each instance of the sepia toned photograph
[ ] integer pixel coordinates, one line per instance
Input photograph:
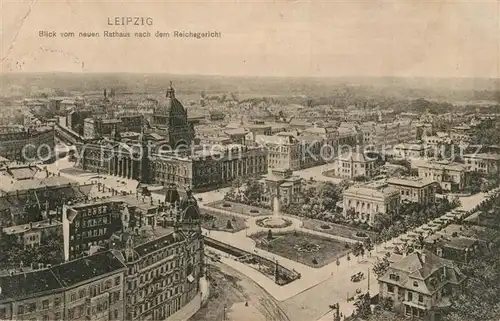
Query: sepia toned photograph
(254, 160)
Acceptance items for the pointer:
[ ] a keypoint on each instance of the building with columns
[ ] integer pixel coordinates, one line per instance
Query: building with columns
(164, 154)
(365, 201)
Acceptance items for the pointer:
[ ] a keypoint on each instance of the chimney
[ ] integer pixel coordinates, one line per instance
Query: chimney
(423, 256)
(50, 220)
(31, 225)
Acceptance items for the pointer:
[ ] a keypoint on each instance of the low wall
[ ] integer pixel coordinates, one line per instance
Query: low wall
(291, 275)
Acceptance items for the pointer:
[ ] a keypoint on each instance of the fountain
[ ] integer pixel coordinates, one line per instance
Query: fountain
(276, 220)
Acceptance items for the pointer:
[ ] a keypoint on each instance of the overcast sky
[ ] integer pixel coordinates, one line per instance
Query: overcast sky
(261, 38)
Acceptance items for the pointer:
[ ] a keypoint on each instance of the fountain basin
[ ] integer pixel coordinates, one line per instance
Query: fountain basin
(273, 222)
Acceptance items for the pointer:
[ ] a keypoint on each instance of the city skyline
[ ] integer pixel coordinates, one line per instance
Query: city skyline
(282, 39)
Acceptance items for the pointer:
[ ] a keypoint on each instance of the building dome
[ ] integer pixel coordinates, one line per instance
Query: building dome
(171, 105)
(191, 213)
(172, 195)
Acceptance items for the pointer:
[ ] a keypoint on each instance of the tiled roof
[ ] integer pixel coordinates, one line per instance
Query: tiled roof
(27, 284)
(86, 268)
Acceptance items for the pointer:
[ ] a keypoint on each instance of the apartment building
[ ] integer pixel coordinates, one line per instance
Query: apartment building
(421, 284)
(283, 150)
(89, 288)
(93, 287)
(388, 134)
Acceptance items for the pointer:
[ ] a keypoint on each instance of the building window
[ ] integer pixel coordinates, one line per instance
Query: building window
(57, 316)
(390, 288)
(57, 302)
(45, 304)
(410, 296)
(20, 309)
(45, 318)
(420, 298)
(415, 283)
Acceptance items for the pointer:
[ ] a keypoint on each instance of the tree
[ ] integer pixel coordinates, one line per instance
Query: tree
(381, 266)
(357, 249)
(386, 303)
(368, 245)
(329, 195)
(269, 235)
(363, 306)
(229, 225)
(253, 191)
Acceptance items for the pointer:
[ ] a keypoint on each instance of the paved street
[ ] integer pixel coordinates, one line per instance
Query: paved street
(317, 173)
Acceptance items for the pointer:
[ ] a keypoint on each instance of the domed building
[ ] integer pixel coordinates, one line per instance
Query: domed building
(170, 117)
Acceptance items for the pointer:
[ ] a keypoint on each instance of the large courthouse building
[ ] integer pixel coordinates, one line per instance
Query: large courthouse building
(165, 153)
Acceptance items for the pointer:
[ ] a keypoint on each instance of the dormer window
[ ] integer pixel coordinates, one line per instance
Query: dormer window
(393, 277)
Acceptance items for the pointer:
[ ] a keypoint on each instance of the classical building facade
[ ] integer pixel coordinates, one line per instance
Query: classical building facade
(365, 201)
(163, 154)
(421, 285)
(416, 190)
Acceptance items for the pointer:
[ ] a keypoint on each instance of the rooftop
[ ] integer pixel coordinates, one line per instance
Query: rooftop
(18, 229)
(26, 284)
(9, 185)
(86, 268)
(485, 156)
(376, 189)
(409, 181)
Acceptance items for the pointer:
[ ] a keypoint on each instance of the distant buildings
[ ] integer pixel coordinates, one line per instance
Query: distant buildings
(449, 175)
(421, 284)
(364, 202)
(162, 155)
(416, 190)
(379, 135)
(34, 234)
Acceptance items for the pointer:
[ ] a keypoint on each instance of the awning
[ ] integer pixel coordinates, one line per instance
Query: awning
(190, 278)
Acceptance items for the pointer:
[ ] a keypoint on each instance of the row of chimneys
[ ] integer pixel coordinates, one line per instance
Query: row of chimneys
(33, 267)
